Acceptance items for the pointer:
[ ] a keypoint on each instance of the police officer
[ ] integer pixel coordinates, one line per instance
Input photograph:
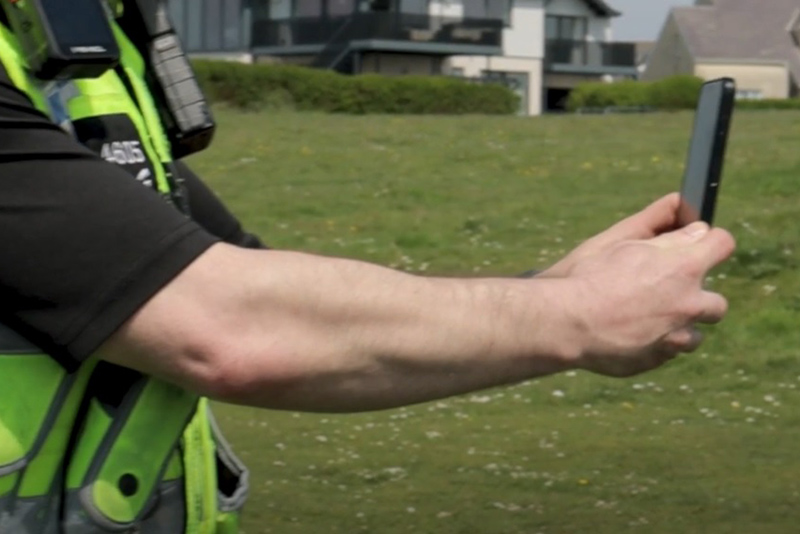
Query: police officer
(129, 295)
(87, 447)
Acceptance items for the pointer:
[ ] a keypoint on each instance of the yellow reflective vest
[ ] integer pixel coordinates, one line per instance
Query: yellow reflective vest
(151, 462)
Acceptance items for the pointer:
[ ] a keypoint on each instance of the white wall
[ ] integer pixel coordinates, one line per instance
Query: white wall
(525, 37)
(523, 51)
(475, 66)
(769, 79)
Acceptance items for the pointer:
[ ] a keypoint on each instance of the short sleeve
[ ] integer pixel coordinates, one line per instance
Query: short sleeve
(82, 244)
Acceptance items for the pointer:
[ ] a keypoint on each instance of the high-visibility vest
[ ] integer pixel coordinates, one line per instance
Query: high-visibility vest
(152, 460)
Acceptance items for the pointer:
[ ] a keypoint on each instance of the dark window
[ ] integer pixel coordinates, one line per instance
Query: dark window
(499, 9)
(177, 14)
(474, 9)
(380, 5)
(551, 28)
(340, 8)
(566, 28)
(194, 22)
(260, 8)
(308, 8)
(213, 25)
(567, 39)
(232, 25)
(488, 9)
(414, 7)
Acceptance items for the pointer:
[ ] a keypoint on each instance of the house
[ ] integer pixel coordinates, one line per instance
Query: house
(213, 27)
(549, 47)
(540, 48)
(753, 41)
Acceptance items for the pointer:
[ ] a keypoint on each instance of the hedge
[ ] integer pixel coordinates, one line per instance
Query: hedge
(252, 87)
(676, 92)
(769, 103)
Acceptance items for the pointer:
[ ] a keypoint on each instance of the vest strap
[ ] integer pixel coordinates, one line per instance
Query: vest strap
(120, 460)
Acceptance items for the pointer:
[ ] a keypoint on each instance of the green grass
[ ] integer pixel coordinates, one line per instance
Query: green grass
(708, 444)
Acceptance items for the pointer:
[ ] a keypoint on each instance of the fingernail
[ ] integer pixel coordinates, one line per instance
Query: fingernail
(696, 229)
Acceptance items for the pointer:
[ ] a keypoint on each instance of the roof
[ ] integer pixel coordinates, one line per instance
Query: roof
(602, 8)
(741, 30)
(643, 50)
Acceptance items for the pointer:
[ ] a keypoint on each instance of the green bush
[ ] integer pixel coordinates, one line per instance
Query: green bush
(602, 95)
(253, 87)
(676, 92)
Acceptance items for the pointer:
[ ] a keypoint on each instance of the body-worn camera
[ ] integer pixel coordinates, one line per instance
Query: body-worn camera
(63, 39)
(73, 39)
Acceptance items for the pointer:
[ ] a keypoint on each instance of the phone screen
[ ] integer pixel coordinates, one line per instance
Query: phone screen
(706, 152)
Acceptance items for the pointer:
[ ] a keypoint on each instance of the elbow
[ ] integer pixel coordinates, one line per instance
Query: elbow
(207, 370)
(228, 368)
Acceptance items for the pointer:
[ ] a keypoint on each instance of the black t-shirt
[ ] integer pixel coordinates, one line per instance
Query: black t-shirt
(83, 245)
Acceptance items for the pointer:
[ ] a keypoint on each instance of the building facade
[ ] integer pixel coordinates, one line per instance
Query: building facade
(755, 42)
(540, 48)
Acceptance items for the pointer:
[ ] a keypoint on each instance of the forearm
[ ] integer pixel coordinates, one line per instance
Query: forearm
(309, 333)
(367, 337)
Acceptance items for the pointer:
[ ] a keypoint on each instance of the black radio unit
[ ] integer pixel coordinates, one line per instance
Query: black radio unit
(184, 110)
(74, 39)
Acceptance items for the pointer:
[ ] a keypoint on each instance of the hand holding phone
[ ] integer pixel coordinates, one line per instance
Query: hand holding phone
(703, 171)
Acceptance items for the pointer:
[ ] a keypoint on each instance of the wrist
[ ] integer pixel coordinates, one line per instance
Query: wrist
(548, 315)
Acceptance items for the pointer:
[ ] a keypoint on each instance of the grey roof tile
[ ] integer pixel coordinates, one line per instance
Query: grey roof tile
(742, 30)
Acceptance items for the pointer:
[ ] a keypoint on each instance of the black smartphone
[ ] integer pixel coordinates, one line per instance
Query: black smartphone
(703, 172)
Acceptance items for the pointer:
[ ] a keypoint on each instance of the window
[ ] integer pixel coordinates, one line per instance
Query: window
(499, 9)
(213, 25)
(474, 9)
(414, 7)
(566, 28)
(194, 22)
(308, 8)
(488, 9)
(340, 8)
(380, 5)
(176, 13)
(567, 39)
(232, 25)
(749, 94)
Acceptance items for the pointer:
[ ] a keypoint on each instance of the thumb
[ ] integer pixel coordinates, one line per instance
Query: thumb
(687, 235)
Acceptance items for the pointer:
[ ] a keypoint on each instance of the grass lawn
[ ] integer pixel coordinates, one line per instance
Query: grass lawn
(708, 444)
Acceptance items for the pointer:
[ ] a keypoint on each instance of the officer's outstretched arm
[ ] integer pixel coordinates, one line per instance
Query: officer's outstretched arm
(294, 331)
